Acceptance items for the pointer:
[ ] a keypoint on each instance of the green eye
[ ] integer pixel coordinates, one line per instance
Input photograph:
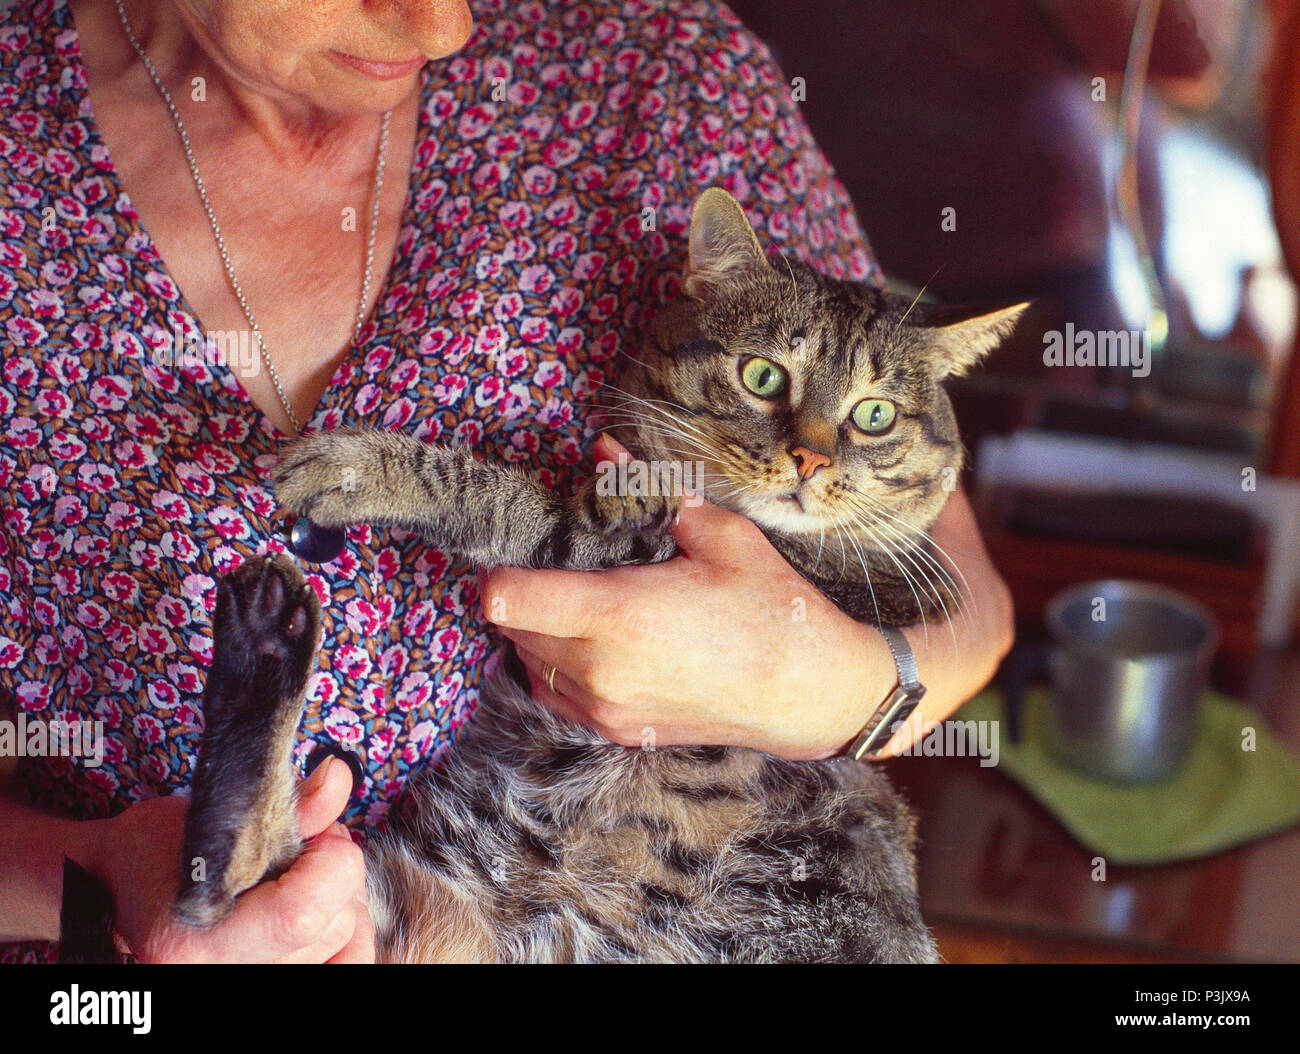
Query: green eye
(874, 416)
(762, 377)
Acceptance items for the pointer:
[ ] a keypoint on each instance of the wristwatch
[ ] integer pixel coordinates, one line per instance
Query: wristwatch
(898, 706)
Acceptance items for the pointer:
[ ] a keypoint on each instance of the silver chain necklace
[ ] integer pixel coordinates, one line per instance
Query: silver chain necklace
(221, 241)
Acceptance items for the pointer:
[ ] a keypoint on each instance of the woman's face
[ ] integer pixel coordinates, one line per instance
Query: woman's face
(344, 56)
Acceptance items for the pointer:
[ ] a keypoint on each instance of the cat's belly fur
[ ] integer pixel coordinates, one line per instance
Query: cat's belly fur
(540, 841)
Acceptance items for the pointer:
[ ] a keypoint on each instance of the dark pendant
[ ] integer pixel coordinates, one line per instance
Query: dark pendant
(314, 543)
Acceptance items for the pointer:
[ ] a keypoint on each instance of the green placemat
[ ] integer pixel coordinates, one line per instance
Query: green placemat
(1220, 797)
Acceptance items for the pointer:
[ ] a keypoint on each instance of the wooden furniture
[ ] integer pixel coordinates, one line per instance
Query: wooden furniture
(1002, 881)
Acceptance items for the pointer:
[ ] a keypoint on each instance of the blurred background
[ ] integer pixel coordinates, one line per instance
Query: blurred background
(1133, 167)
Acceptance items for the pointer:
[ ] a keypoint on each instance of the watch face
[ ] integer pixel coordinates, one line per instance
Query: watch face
(900, 716)
(886, 720)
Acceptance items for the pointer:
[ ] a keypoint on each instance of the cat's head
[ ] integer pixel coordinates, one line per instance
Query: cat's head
(811, 402)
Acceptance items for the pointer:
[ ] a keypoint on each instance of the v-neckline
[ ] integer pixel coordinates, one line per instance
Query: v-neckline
(224, 377)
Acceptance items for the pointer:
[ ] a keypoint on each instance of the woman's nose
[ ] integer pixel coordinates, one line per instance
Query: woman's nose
(437, 27)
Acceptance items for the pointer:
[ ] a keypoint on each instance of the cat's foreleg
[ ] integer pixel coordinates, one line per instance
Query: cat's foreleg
(484, 511)
(242, 823)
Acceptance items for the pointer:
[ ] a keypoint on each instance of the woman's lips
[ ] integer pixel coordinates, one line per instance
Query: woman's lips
(384, 71)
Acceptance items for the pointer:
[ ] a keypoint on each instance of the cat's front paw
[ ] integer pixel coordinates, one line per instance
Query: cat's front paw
(324, 476)
(630, 510)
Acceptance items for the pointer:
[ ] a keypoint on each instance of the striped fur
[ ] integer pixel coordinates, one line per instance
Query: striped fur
(569, 849)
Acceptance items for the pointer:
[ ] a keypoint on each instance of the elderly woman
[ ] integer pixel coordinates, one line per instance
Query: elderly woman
(436, 222)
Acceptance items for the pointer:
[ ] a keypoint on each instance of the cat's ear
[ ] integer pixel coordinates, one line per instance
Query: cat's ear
(723, 246)
(961, 336)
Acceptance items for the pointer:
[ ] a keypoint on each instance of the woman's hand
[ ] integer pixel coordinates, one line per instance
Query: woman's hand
(314, 913)
(728, 644)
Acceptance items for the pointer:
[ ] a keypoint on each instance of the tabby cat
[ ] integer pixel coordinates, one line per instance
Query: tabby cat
(817, 409)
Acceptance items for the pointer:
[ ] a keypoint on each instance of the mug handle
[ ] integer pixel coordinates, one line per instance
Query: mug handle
(1028, 663)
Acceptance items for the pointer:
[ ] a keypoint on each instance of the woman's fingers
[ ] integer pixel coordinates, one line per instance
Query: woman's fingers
(323, 796)
(567, 698)
(586, 604)
(608, 448)
(314, 912)
(310, 913)
(361, 947)
(306, 914)
(957, 530)
(570, 655)
(557, 603)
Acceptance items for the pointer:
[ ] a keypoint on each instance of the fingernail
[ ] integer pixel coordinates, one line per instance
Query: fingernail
(315, 771)
(325, 751)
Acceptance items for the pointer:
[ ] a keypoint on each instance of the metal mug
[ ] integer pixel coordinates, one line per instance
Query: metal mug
(1128, 663)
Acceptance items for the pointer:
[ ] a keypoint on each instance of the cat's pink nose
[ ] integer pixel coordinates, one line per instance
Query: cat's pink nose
(809, 461)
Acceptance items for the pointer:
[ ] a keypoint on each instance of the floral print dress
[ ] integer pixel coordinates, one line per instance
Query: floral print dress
(557, 158)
